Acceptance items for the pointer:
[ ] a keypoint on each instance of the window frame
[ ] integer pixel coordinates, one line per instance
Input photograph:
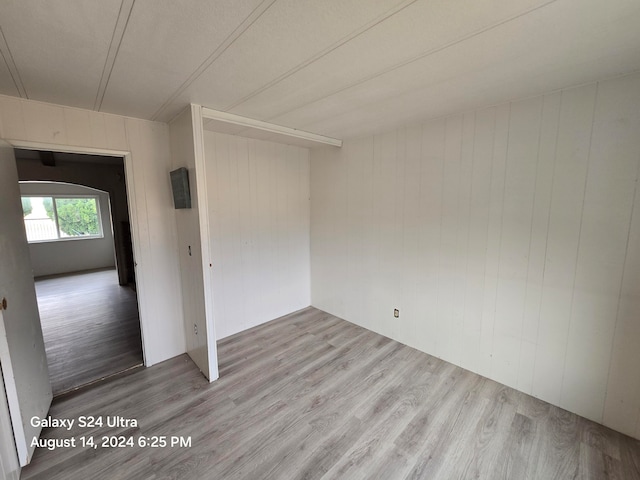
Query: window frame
(55, 196)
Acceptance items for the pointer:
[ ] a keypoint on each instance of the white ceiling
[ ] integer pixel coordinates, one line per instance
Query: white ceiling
(340, 68)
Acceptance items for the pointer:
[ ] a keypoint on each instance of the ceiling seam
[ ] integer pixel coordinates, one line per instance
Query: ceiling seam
(231, 38)
(368, 26)
(422, 119)
(126, 7)
(11, 66)
(416, 58)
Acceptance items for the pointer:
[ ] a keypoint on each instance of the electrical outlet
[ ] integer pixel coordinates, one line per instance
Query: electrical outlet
(195, 328)
(396, 313)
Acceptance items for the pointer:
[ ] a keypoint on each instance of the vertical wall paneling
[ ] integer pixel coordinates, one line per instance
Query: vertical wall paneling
(227, 210)
(360, 180)
(449, 223)
(352, 239)
(327, 220)
(385, 151)
(79, 125)
(565, 217)
(243, 201)
(12, 118)
(318, 227)
(479, 199)
(369, 233)
(38, 120)
(492, 257)
(454, 347)
(509, 238)
(431, 188)
(538, 243)
(395, 253)
(216, 215)
(608, 202)
(515, 237)
(258, 205)
(145, 146)
(409, 187)
(623, 388)
(303, 221)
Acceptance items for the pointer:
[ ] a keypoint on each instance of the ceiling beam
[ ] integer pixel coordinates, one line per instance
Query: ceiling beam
(47, 158)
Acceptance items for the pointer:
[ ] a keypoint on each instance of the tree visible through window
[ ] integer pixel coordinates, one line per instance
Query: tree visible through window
(58, 218)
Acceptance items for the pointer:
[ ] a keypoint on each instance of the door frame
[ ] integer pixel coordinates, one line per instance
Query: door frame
(145, 326)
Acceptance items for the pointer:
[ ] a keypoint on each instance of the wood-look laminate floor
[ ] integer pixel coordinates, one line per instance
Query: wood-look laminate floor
(311, 396)
(90, 326)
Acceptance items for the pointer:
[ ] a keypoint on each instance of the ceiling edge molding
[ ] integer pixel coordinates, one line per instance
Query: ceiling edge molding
(250, 125)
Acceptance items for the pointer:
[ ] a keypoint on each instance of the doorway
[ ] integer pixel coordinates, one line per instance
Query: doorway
(83, 265)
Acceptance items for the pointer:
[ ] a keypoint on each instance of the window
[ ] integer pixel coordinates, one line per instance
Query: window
(54, 218)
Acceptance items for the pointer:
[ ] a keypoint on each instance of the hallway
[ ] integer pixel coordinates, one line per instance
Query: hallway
(90, 326)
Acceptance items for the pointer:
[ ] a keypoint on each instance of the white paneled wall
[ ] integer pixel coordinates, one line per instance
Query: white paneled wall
(152, 216)
(259, 230)
(508, 237)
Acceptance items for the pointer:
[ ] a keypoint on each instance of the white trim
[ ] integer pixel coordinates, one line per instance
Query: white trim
(54, 147)
(268, 127)
(205, 243)
(146, 324)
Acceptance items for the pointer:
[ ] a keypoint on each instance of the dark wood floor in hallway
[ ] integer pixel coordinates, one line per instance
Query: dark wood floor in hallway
(312, 396)
(90, 326)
